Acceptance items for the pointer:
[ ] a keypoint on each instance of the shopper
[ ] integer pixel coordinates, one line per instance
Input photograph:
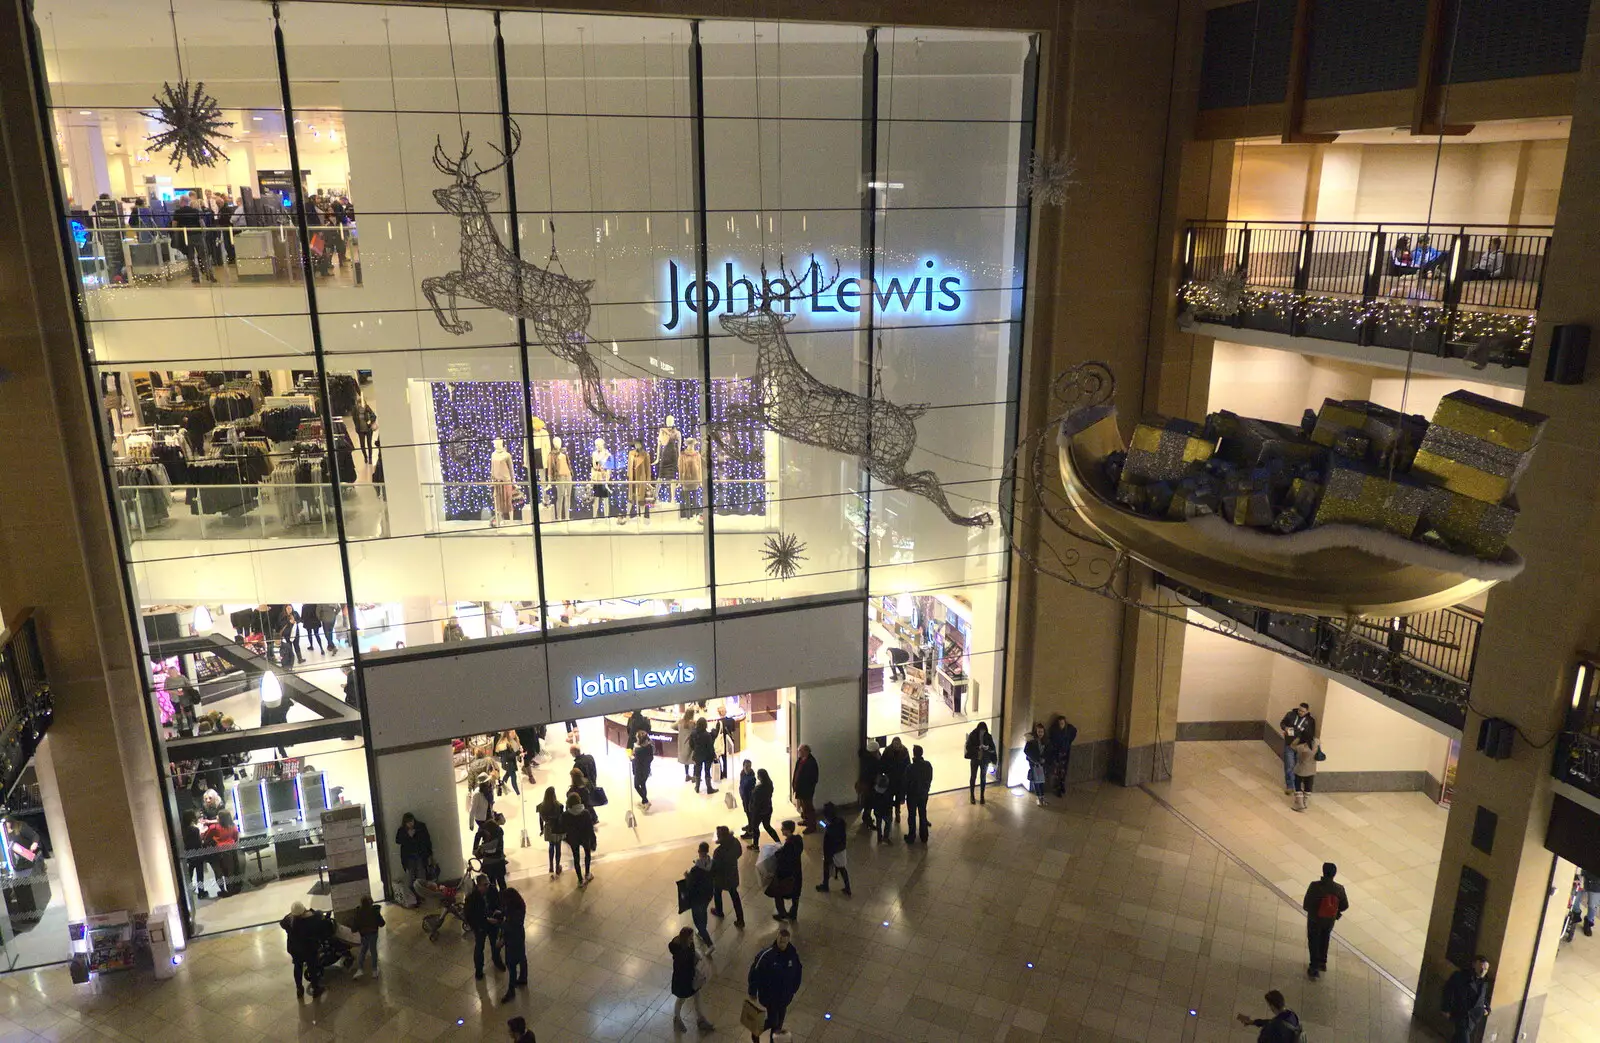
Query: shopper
(223, 836)
(725, 874)
(519, 1030)
(869, 765)
(1061, 737)
(919, 783)
(363, 419)
(834, 857)
(1305, 749)
(786, 877)
(638, 722)
(302, 942)
(366, 921)
(481, 805)
(584, 762)
(698, 892)
(508, 751)
(1035, 750)
(286, 656)
(644, 752)
(690, 972)
(1282, 1027)
(189, 217)
(1466, 1000)
(329, 614)
(489, 847)
(552, 827)
(577, 825)
(514, 940)
(980, 753)
(481, 912)
(1325, 902)
(685, 733)
(882, 798)
(311, 623)
(747, 789)
(416, 849)
(530, 738)
(761, 809)
(1296, 723)
(896, 762)
(804, 786)
(774, 978)
(196, 862)
(703, 750)
(1588, 899)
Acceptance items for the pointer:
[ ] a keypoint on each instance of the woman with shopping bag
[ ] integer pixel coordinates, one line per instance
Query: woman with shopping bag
(690, 972)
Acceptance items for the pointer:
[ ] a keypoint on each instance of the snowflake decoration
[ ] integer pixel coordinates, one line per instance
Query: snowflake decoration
(194, 125)
(783, 554)
(1221, 296)
(1048, 178)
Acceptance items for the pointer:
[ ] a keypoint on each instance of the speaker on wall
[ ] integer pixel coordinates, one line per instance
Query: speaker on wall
(1569, 355)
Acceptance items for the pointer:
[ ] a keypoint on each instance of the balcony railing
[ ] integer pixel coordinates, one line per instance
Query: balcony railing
(1453, 291)
(25, 703)
(1424, 661)
(1578, 749)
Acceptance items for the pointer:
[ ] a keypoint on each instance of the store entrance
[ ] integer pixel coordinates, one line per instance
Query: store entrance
(757, 726)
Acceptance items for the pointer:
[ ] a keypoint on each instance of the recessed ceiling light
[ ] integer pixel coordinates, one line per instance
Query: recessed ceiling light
(258, 119)
(85, 112)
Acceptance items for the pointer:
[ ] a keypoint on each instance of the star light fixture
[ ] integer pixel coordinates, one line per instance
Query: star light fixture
(1049, 178)
(195, 127)
(784, 555)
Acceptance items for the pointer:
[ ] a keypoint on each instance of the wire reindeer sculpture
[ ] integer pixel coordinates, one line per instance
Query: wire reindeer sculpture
(793, 403)
(556, 306)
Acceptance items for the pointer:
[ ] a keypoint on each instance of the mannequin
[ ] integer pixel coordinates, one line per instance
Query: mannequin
(503, 477)
(668, 441)
(560, 468)
(539, 455)
(641, 490)
(599, 476)
(691, 472)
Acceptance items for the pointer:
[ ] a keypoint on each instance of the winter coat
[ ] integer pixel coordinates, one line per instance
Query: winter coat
(683, 960)
(895, 763)
(980, 747)
(1283, 1028)
(367, 919)
(700, 889)
(1312, 902)
(725, 864)
(775, 976)
(834, 836)
(481, 909)
(703, 746)
(685, 734)
(643, 756)
(1305, 756)
(747, 787)
(919, 779)
(787, 864)
(414, 845)
(584, 762)
(578, 828)
(761, 800)
(805, 778)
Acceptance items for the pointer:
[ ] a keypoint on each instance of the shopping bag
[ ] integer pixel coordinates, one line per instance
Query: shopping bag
(631, 820)
(753, 1017)
(318, 244)
(841, 860)
(598, 798)
(767, 864)
(683, 896)
(730, 801)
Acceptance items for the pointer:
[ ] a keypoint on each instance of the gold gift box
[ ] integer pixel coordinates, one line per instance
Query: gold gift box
(1358, 497)
(1335, 418)
(1469, 465)
(1469, 524)
(1163, 448)
(1498, 423)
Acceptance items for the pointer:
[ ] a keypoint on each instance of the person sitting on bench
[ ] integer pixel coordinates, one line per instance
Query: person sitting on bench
(1491, 264)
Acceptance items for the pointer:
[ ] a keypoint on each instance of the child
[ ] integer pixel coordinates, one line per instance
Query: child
(367, 920)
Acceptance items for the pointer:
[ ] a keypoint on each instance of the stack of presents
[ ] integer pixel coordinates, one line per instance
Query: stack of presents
(1449, 484)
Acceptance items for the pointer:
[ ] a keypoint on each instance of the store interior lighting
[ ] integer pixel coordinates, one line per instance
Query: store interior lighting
(271, 690)
(202, 620)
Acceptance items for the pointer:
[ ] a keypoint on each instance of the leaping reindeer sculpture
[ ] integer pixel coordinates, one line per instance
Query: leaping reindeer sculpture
(557, 307)
(797, 405)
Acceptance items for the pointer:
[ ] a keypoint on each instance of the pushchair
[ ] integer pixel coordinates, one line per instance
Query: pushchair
(452, 900)
(336, 949)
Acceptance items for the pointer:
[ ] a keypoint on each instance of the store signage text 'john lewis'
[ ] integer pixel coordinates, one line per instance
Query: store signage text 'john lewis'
(635, 680)
(929, 293)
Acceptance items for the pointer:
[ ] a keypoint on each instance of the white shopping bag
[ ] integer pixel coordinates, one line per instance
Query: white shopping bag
(767, 863)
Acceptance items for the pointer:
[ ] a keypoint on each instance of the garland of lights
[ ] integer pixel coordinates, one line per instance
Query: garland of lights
(470, 415)
(1205, 298)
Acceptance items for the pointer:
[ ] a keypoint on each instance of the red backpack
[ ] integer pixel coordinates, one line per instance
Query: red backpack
(1328, 906)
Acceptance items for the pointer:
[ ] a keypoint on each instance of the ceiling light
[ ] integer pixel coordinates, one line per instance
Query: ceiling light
(271, 690)
(258, 119)
(202, 620)
(85, 112)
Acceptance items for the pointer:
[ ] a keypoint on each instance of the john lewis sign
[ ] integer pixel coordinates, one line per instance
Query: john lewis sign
(929, 293)
(633, 679)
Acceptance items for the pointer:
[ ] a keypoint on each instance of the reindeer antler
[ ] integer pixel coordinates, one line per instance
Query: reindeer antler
(505, 154)
(793, 282)
(802, 277)
(445, 165)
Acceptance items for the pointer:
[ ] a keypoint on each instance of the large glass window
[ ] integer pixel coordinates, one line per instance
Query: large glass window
(484, 323)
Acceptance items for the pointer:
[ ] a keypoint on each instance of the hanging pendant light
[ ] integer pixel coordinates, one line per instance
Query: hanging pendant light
(202, 620)
(271, 690)
(508, 618)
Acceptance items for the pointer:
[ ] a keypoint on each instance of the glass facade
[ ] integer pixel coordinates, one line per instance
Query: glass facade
(461, 339)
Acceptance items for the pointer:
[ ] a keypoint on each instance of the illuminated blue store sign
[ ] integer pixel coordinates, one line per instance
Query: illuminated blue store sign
(930, 293)
(635, 680)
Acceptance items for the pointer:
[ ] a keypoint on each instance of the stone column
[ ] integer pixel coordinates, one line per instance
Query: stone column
(1535, 627)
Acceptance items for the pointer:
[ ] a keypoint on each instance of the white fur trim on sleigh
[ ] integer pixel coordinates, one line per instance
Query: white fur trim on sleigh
(1375, 542)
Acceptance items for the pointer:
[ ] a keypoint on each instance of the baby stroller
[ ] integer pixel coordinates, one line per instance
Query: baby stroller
(452, 900)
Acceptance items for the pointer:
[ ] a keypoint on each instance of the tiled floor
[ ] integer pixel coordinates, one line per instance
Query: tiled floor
(1129, 918)
(1387, 848)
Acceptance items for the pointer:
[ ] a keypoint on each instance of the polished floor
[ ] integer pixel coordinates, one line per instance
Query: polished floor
(1387, 848)
(1101, 917)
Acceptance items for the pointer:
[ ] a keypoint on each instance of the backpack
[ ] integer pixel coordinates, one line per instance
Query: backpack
(1328, 906)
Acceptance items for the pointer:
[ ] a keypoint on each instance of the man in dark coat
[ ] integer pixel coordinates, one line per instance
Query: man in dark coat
(919, 783)
(786, 878)
(1466, 999)
(482, 913)
(868, 765)
(804, 785)
(192, 220)
(774, 979)
(514, 940)
(584, 762)
(301, 940)
(896, 762)
(1325, 902)
(416, 849)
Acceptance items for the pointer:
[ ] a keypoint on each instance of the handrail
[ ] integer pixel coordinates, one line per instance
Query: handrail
(1450, 289)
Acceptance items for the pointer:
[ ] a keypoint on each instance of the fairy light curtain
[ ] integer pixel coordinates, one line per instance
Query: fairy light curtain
(471, 414)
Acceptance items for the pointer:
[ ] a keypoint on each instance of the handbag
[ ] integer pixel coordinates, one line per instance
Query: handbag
(783, 887)
(1321, 756)
(702, 972)
(753, 1016)
(598, 798)
(683, 897)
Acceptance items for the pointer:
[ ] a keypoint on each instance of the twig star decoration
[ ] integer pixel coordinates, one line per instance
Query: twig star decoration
(1048, 178)
(195, 125)
(783, 554)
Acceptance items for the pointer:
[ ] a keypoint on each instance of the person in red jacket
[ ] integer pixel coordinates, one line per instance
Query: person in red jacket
(224, 836)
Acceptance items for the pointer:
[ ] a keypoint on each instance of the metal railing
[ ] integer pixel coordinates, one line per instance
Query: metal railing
(1438, 289)
(1578, 748)
(25, 701)
(1424, 661)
